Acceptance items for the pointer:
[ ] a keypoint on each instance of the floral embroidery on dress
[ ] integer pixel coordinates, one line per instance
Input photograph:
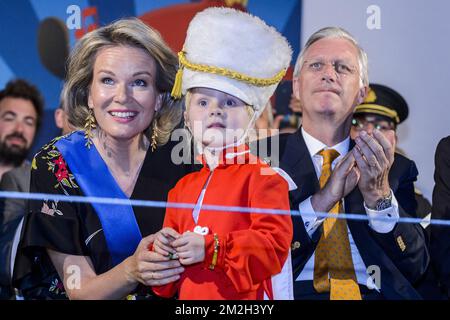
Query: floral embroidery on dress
(52, 209)
(57, 287)
(57, 166)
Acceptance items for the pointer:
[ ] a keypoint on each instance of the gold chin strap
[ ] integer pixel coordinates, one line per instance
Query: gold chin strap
(377, 109)
(230, 3)
(259, 82)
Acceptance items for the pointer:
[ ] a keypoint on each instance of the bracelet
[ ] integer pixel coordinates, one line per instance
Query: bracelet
(216, 252)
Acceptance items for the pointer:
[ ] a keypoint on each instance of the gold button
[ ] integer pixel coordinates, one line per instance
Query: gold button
(267, 161)
(401, 243)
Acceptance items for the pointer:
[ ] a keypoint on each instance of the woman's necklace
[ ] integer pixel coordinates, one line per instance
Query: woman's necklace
(126, 179)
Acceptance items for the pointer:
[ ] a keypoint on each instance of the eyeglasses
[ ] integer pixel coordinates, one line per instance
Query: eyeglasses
(340, 67)
(362, 124)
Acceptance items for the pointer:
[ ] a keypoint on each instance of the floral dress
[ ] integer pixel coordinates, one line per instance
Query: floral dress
(73, 227)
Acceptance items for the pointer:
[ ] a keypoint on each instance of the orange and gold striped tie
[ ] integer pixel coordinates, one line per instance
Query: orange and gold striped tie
(333, 255)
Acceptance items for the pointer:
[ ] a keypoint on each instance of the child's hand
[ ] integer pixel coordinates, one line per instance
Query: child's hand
(163, 241)
(190, 248)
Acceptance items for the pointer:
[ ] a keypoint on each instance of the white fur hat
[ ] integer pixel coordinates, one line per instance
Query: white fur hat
(234, 52)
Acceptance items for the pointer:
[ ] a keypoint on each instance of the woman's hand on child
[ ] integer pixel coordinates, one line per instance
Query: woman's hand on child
(190, 248)
(163, 242)
(149, 267)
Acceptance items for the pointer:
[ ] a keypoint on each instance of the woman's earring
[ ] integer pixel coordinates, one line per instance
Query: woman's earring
(88, 127)
(154, 143)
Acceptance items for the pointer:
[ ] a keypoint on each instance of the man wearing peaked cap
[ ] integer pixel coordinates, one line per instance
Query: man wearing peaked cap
(384, 102)
(383, 109)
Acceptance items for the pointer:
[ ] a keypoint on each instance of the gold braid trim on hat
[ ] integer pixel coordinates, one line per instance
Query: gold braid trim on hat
(259, 82)
(377, 109)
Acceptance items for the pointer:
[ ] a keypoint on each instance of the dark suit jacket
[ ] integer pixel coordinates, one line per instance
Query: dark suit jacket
(18, 179)
(11, 213)
(399, 269)
(440, 235)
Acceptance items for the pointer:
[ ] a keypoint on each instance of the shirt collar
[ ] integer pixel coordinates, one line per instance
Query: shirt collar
(314, 145)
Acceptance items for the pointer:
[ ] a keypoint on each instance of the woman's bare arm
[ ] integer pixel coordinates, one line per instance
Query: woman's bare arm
(146, 267)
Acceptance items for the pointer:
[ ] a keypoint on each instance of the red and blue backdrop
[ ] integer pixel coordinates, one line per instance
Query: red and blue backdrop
(22, 42)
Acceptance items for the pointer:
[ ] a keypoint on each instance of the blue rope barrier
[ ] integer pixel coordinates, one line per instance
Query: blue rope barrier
(164, 204)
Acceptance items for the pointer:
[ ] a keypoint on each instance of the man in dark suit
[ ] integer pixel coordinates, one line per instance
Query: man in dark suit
(440, 235)
(338, 258)
(21, 108)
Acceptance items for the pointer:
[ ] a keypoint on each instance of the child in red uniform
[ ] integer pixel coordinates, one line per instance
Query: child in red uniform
(230, 65)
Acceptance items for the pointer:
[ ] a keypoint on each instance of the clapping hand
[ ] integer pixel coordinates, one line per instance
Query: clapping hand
(374, 155)
(343, 180)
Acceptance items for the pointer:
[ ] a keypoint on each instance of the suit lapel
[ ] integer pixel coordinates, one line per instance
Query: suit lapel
(297, 162)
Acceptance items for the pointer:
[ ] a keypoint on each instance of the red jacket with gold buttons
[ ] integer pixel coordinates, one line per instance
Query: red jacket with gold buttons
(253, 246)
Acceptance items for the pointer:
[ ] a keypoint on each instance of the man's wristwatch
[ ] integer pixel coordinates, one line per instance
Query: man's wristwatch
(384, 203)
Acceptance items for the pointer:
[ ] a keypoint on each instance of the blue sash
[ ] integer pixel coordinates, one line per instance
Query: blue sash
(119, 224)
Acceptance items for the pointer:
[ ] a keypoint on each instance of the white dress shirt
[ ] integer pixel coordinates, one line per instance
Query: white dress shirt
(312, 222)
